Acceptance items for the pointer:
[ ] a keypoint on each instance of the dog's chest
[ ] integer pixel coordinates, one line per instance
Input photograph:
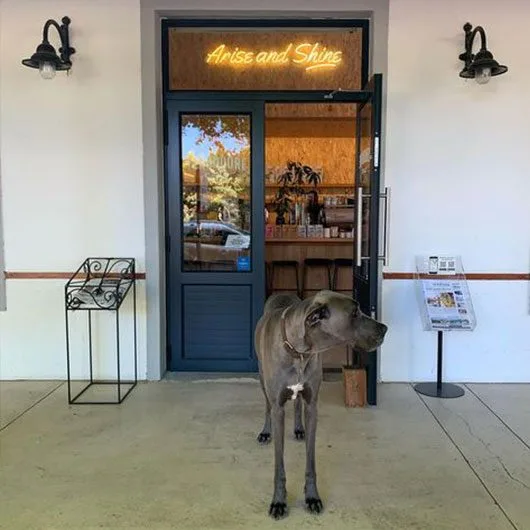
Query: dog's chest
(297, 377)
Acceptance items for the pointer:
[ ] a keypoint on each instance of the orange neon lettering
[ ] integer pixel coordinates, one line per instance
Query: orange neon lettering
(311, 56)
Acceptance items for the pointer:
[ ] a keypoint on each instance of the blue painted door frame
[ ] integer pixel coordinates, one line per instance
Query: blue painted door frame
(211, 316)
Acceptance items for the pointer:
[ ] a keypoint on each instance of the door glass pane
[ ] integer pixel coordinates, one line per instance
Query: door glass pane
(216, 201)
(365, 170)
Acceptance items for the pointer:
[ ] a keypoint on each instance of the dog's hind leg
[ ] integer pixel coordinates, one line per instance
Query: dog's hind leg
(299, 432)
(278, 506)
(264, 437)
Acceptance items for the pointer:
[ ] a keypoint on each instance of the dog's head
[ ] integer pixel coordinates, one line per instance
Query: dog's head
(334, 318)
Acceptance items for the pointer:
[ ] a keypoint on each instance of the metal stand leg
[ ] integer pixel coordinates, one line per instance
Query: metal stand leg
(68, 356)
(439, 389)
(118, 354)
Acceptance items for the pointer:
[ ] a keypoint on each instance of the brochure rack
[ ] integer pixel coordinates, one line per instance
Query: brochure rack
(445, 305)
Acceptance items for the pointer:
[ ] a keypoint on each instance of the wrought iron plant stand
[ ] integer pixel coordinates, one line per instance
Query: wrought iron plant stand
(101, 284)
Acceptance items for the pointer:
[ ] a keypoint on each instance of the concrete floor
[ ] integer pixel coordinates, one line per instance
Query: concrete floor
(182, 454)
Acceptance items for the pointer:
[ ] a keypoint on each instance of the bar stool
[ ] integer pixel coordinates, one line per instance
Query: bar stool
(283, 264)
(316, 263)
(338, 264)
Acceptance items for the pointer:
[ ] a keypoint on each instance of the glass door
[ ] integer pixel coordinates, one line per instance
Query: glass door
(215, 230)
(366, 222)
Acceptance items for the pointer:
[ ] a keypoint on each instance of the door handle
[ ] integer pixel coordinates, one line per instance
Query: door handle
(358, 235)
(386, 226)
(360, 198)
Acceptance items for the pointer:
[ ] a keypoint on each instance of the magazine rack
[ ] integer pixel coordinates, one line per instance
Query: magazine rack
(445, 305)
(101, 284)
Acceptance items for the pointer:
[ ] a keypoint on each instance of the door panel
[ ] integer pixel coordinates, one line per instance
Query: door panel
(212, 308)
(215, 266)
(366, 244)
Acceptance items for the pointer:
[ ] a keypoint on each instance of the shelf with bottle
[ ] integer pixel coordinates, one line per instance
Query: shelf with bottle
(293, 233)
(316, 188)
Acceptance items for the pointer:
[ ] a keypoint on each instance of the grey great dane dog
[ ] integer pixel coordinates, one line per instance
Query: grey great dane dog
(289, 338)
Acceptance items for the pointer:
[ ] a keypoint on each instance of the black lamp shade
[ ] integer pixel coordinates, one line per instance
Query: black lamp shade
(483, 59)
(46, 54)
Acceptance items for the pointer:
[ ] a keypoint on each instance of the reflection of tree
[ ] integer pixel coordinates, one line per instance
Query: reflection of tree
(212, 127)
(226, 190)
(223, 190)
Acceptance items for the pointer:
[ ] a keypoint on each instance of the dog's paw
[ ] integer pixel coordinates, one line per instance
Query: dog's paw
(314, 505)
(264, 438)
(299, 434)
(278, 510)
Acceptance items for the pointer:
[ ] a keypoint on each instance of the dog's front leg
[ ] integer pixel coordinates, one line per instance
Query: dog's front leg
(278, 507)
(312, 498)
(299, 432)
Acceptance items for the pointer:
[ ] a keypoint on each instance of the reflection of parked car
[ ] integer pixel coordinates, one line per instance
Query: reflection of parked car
(213, 241)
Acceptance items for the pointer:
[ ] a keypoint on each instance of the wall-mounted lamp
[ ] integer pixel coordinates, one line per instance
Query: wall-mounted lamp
(46, 58)
(480, 66)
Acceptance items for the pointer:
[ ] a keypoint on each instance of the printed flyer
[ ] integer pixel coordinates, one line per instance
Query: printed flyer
(448, 304)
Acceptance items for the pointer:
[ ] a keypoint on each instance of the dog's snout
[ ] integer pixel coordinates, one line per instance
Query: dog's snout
(382, 328)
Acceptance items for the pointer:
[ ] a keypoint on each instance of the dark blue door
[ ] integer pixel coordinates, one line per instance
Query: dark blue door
(215, 228)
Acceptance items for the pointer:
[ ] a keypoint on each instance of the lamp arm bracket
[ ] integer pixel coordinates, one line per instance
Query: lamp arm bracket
(467, 56)
(65, 50)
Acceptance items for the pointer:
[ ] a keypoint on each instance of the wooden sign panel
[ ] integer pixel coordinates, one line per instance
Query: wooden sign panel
(273, 60)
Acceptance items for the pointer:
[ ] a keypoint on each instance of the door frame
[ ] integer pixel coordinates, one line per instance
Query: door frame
(366, 287)
(293, 96)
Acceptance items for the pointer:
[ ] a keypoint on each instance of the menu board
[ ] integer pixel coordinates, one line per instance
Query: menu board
(444, 294)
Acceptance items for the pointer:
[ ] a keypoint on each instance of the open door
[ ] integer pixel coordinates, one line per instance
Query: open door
(366, 224)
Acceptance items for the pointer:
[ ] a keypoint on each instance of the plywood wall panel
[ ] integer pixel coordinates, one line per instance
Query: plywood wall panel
(310, 110)
(329, 144)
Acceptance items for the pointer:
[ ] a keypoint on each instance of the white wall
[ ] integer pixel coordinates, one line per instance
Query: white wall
(71, 155)
(458, 163)
(74, 165)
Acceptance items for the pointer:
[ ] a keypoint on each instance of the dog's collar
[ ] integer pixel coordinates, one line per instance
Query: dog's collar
(287, 345)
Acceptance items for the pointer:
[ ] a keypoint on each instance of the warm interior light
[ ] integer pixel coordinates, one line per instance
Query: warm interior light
(483, 75)
(47, 70)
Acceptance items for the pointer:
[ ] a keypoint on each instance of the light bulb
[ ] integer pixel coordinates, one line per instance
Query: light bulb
(47, 70)
(483, 75)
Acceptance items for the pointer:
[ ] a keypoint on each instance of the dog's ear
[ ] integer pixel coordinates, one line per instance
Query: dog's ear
(316, 314)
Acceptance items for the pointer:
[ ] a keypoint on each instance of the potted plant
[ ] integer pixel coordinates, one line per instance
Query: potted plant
(311, 176)
(292, 181)
(354, 379)
(282, 204)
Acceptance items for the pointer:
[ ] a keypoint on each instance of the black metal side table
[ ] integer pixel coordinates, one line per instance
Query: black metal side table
(101, 284)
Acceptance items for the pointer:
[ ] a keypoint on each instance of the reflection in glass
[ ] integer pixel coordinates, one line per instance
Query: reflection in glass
(216, 192)
(366, 173)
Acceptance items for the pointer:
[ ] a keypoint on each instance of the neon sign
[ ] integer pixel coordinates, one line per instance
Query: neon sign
(310, 56)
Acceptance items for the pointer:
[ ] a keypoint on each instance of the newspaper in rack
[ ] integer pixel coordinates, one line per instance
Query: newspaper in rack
(444, 295)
